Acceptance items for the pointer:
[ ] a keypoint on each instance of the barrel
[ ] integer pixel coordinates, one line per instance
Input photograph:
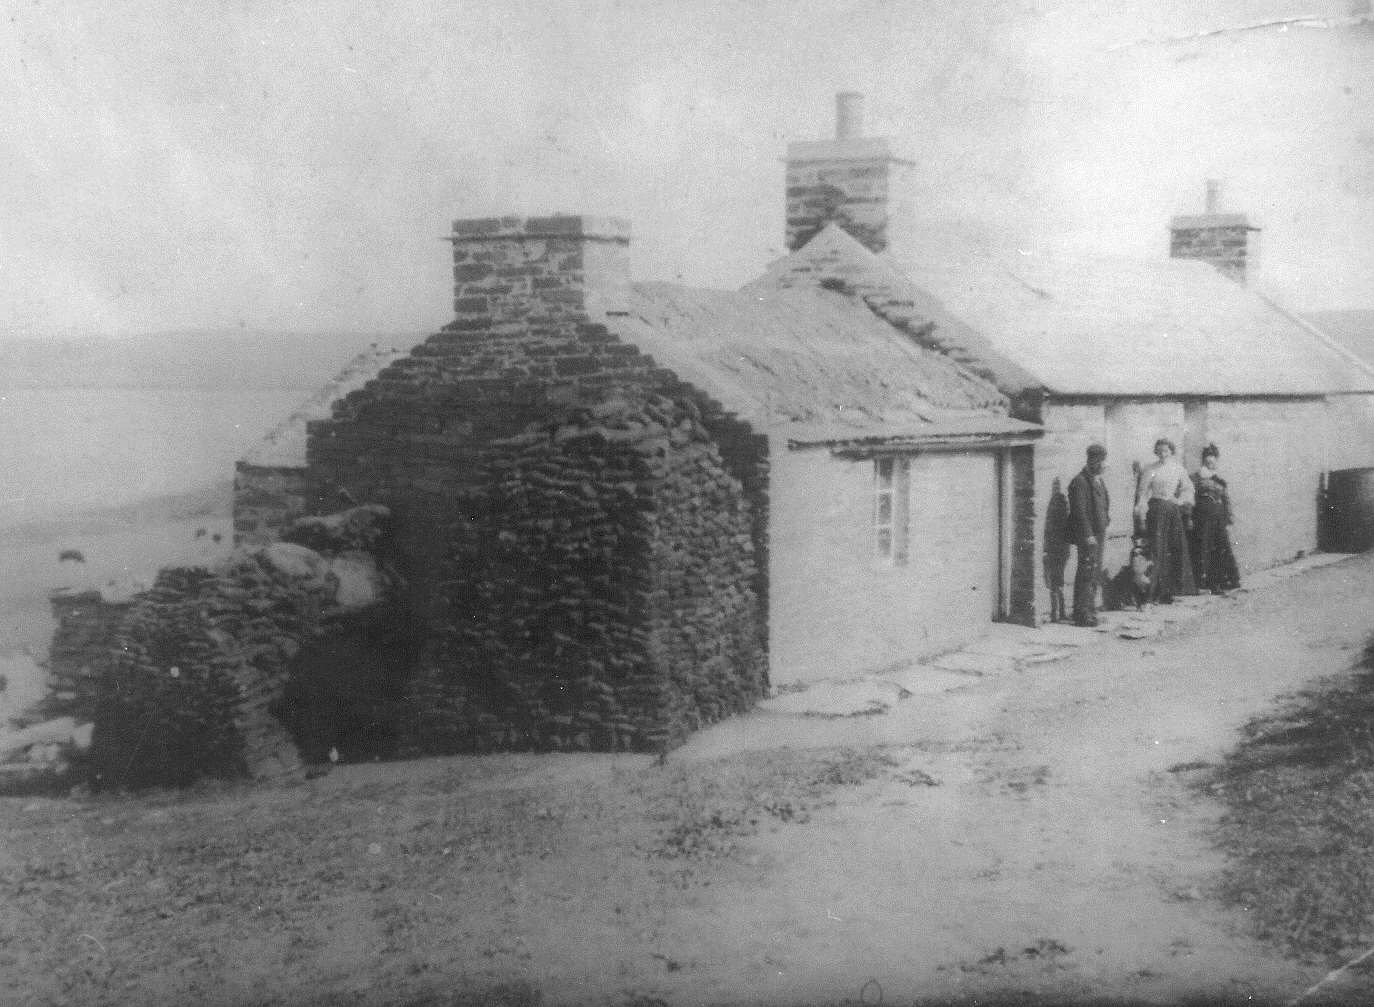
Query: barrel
(1348, 511)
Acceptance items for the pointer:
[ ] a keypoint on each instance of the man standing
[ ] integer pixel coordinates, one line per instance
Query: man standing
(1088, 519)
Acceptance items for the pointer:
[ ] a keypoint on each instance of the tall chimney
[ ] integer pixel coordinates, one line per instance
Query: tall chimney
(844, 180)
(1223, 239)
(849, 115)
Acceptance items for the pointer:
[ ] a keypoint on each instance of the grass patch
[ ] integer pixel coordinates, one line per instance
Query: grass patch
(707, 815)
(435, 882)
(1299, 823)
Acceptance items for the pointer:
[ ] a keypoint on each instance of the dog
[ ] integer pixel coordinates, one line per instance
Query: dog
(1131, 585)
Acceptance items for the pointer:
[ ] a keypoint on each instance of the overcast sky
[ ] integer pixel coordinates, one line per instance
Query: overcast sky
(291, 166)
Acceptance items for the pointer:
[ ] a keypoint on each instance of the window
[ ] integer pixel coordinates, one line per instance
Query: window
(891, 478)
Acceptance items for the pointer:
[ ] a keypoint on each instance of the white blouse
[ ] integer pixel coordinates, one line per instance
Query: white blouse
(1166, 480)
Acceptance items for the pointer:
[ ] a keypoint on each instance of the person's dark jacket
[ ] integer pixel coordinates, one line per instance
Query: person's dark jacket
(1089, 506)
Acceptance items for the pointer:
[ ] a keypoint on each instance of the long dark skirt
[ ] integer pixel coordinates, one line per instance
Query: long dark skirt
(1173, 573)
(1214, 564)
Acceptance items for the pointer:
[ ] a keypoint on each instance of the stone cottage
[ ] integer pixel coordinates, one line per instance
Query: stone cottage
(1096, 348)
(587, 513)
(591, 477)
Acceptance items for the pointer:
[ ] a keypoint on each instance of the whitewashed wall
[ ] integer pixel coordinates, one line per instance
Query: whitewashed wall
(835, 610)
(1274, 452)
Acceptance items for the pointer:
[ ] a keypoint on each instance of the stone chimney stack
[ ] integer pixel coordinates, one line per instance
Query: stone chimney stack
(540, 269)
(845, 180)
(1223, 239)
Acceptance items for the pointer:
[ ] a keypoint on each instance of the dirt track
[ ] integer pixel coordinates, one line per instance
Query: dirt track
(1030, 831)
(1061, 849)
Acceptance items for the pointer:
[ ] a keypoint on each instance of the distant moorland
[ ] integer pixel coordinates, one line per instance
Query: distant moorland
(227, 359)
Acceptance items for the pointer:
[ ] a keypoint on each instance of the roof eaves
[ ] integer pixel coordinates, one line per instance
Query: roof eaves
(997, 433)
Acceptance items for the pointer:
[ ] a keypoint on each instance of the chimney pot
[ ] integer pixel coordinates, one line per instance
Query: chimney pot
(849, 115)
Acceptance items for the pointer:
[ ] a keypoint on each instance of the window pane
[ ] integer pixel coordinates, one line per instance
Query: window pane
(885, 508)
(884, 471)
(884, 541)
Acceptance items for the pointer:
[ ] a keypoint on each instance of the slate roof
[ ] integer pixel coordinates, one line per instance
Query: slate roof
(1115, 326)
(812, 364)
(1092, 325)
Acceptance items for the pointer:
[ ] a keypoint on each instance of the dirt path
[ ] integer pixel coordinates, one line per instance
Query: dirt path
(1026, 831)
(1057, 853)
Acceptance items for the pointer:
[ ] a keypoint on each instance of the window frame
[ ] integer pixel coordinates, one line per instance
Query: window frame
(891, 519)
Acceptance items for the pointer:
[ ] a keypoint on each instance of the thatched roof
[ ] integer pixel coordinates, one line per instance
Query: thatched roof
(813, 364)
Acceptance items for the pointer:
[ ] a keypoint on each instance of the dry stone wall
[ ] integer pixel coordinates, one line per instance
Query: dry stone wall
(598, 591)
(704, 627)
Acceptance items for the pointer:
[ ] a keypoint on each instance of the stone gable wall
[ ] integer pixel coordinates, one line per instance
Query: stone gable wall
(595, 590)
(467, 438)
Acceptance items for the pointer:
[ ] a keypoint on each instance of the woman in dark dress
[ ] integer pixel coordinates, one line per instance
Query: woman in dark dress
(1214, 564)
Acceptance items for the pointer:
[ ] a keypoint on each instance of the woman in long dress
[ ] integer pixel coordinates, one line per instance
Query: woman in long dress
(1214, 564)
(1163, 501)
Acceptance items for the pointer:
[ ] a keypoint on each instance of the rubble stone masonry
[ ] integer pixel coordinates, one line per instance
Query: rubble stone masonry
(843, 181)
(1224, 240)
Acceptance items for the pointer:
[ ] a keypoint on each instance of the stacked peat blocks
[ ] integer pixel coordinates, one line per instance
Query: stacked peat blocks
(582, 559)
(599, 591)
(196, 665)
(192, 677)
